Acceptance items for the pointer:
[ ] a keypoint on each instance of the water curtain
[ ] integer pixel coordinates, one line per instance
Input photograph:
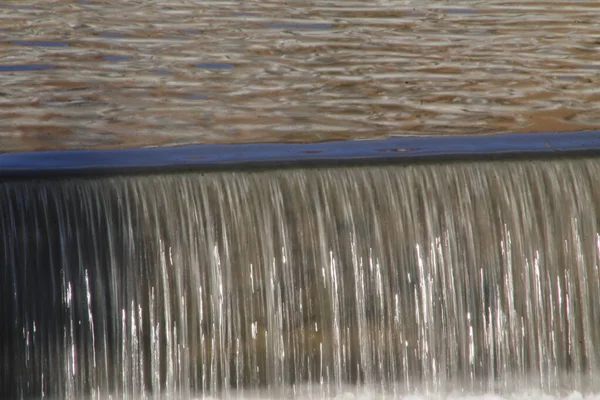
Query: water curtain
(479, 274)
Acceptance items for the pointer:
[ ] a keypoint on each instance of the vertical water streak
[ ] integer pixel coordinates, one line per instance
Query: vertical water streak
(485, 275)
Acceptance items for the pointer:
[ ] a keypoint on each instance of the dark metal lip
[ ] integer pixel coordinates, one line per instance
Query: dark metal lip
(209, 157)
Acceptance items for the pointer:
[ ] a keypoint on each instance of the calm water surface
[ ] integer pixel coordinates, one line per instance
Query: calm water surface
(105, 74)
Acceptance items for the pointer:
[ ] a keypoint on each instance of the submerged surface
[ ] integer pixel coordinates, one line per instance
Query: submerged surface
(403, 279)
(90, 74)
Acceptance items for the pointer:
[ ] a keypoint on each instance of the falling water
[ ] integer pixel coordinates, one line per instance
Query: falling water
(482, 276)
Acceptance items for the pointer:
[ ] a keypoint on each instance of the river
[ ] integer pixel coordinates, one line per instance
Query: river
(112, 74)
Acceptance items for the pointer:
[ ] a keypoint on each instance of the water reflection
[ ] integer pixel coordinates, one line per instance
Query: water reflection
(26, 67)
(211, 65)
(116, 58)
(38, 43)
(299, 26)
(88, 74)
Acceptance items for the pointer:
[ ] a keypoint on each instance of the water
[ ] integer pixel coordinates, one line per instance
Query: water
(465, 278)
(432, 281)
(97, 74)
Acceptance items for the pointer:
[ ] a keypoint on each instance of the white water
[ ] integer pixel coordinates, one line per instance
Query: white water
(366, 394)
(371, 394)
(397, 280)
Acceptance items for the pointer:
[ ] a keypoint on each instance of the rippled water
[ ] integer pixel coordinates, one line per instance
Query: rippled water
(137, 73)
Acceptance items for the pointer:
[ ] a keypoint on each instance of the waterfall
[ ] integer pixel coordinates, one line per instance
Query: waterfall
(477, 274)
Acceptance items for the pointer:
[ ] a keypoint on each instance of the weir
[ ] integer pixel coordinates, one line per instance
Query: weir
(482, 275)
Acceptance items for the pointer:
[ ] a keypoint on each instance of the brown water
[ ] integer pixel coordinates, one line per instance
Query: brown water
(102, 74)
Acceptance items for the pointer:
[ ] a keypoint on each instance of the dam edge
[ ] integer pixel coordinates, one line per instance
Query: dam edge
(258, 156)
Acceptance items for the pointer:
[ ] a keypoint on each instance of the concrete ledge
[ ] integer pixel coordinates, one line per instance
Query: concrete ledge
(268, 155)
